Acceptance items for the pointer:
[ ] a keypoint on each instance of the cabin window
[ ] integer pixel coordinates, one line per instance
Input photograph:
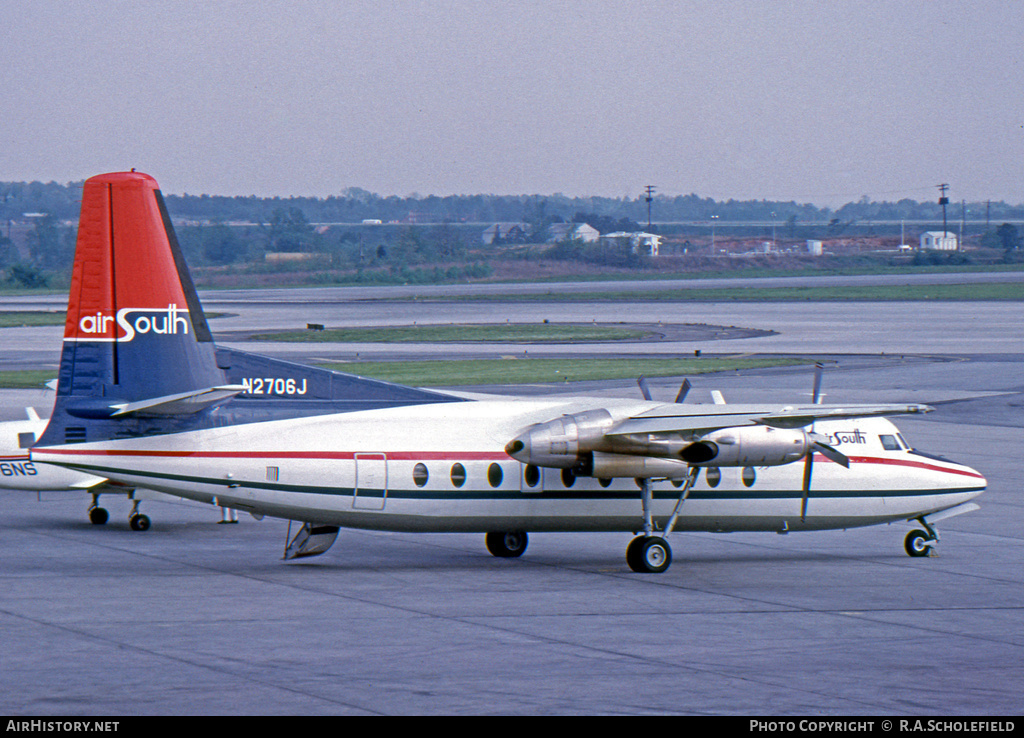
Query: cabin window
(494, 475)
(272, 473)
(25, 440)
(531, 475)
(749, 476)
(420, 475)
(458, 475)
(889, 443)
(713, 475)
(568, 478)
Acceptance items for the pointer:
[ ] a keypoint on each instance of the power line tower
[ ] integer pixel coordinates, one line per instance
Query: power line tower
(649, 190)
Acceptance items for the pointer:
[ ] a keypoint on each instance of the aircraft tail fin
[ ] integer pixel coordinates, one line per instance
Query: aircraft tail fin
(135, 329)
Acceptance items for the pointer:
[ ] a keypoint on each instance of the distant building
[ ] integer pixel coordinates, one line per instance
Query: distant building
(814, 247)
(938, 241)
(568, 231)
(640, 242)
(504, 233)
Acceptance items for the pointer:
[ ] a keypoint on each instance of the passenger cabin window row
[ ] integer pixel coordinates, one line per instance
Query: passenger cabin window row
(532, 475)
(420, 475)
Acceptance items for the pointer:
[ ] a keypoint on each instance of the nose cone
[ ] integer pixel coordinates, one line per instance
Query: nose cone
(518, 450)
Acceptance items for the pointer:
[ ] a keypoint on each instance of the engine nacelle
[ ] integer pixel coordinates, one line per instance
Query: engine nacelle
(755, 445)
(609, 466)
(561, 442)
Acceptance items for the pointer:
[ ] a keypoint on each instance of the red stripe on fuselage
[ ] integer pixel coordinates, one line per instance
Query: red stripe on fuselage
(335, 455)
(425, 456)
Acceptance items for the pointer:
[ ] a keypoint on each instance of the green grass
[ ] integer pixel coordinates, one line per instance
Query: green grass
(494, 371)
(17, 318)
(878, 293)
(529, 333)
(27, 379)
(531, 371)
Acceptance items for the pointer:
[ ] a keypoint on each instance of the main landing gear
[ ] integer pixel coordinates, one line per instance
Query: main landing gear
(648, 553)
(136, 520)
(507, 544)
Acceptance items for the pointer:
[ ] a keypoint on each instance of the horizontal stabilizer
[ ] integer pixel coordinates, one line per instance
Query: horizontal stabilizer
(183, 403)
(689, 418)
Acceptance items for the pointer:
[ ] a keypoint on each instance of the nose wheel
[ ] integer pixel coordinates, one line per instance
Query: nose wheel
(918, 543)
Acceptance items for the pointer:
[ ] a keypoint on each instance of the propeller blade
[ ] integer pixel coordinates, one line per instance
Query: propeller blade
(816, 395)
(806, 487)
(829, 452)
(684, 390)
(644, 389)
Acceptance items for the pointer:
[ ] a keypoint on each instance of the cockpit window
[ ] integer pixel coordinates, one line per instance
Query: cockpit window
(889, 443)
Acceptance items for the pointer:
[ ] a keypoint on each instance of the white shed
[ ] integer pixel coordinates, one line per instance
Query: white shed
(938, 241)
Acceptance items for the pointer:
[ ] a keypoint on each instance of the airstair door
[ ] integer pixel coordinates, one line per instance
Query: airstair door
(371, 481)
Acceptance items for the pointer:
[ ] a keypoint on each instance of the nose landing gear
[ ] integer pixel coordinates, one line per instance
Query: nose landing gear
(919, 543)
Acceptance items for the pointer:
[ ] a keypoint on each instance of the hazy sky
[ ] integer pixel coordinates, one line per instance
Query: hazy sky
(820, 101)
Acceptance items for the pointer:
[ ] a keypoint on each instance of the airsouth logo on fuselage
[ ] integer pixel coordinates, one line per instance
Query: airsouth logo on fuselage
(133, 322)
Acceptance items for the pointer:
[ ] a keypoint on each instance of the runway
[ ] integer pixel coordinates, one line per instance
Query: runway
(192, 617)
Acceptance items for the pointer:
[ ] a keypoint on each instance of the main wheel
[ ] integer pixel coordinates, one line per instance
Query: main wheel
(649, 555)
(98, 515)
(507, 545)
(918, 543)
(139, 522)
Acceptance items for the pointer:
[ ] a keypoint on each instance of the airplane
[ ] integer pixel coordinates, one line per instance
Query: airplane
(146, 398)
(19, 473)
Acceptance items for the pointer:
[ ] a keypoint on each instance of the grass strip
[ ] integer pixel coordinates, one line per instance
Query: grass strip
(26, 379)
(19, 318)
(1009, 291)
(543, 371)
(501, 333)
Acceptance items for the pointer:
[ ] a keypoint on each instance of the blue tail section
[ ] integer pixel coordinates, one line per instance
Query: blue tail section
(138, 356)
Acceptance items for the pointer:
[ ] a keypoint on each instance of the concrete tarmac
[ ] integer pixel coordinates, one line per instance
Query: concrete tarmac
(192, 617)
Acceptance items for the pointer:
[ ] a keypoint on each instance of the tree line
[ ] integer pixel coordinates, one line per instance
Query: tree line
(354, 205)
(219, 231)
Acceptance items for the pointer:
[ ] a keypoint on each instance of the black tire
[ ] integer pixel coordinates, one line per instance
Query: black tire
(633, 553)
(139, 522)
(649, 555)
(918, 543)
(507, 544)
(98, 516)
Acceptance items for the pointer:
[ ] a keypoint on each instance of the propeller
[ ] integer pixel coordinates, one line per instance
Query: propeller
(818, 443)
(645, 390)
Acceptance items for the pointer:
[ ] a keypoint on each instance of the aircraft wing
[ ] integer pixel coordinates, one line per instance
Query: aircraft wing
(690, 418)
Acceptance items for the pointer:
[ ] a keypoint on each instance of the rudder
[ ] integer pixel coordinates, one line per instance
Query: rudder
(135, 329)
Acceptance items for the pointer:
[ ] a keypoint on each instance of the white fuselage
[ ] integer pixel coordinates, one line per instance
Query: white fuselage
(19, 472)
(443, 467)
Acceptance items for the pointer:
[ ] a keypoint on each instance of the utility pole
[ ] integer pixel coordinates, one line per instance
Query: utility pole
(943, 201)
(963, 224)
(649, 190)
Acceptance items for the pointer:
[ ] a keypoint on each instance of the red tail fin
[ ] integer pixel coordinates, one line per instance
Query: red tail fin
(127, 261)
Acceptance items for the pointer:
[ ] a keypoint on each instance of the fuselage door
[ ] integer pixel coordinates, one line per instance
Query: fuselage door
(371, 488)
